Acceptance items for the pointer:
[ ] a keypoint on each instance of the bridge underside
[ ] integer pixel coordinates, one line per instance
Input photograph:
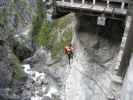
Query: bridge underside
(117, 10)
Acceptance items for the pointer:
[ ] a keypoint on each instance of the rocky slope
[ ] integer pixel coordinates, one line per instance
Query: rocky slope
(14, 16)
(49, 64)
(16, 27)
(29, 41)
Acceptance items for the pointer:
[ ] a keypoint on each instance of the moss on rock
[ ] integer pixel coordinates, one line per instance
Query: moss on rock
(55, 35)
(17, 71)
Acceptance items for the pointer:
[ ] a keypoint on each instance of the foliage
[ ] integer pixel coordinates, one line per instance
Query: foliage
(46, 33)
(45, 36)
(3, 16)
(38, 20)
(58, 46)
(48, 37)
(17, 69)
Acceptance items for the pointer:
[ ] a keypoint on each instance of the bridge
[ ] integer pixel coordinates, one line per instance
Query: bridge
(115, 8)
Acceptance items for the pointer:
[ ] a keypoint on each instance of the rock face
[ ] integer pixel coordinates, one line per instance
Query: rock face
(25, 51)
(50, 79)
(91, 71)
(86, 80)
(16, 15)
(42, 56)
(4, 67)
(6, 74)
(10, 24)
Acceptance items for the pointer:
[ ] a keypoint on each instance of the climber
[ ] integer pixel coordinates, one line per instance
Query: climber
(69, 52)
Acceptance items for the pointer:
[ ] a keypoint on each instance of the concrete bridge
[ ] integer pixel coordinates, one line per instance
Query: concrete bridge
(115, 8)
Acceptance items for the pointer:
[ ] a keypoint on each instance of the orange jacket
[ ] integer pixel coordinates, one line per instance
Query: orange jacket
(68, 50)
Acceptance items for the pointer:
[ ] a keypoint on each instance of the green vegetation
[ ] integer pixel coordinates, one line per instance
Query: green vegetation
(5, 14)
(48, 34)
(44, 37)
(17, 69)
(16, 12)
(38, 20)
(3, 17)
(51, 37)
(23, 2)
(58, 46)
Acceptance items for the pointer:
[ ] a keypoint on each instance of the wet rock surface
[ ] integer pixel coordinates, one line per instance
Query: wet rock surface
(83, 79)
(6, 71)
(4, 66)
(11, 25)
(91, 71)
(87, 78)
(44, 82)
(39, 86)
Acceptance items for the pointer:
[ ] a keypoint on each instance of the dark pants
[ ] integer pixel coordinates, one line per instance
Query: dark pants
(70, 56)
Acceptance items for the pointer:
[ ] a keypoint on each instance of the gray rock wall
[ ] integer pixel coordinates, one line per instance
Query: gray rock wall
(5, 74)
(16, 15)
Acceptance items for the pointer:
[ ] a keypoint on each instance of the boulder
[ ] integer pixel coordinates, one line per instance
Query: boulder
(41, 57)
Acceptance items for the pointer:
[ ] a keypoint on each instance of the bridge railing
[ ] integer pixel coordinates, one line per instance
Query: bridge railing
(122, 4)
